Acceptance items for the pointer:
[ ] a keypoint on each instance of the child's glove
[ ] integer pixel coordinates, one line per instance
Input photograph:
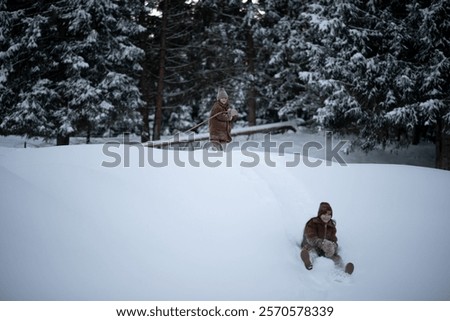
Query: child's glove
(329, 248)
(231, 113)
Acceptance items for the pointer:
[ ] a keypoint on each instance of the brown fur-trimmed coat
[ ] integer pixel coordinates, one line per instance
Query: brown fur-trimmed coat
(220, 125)
(317, 230)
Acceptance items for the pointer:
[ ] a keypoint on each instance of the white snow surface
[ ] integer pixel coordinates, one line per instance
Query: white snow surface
(72, 229)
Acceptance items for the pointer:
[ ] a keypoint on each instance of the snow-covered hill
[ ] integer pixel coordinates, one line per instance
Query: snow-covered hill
(72, 229)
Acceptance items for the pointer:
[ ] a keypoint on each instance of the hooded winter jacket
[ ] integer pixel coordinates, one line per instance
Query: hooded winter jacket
(220, 125)
(317, 230)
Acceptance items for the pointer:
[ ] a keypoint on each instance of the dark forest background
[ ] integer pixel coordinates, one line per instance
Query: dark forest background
(378, 70)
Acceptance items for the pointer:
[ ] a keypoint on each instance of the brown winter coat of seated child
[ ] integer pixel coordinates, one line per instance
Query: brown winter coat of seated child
(319, 237)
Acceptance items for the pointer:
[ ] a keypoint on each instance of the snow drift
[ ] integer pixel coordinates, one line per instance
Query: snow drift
(72, 229)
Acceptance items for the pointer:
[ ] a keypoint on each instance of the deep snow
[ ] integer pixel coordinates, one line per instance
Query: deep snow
(72, 229)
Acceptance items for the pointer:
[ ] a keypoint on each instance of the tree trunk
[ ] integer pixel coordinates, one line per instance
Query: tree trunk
(145, 132)
(417, 134)
(445, 155)
(62, 140)
(88, 134)
(251, 93)
(145, 83)
(442, 147)
(162, 59)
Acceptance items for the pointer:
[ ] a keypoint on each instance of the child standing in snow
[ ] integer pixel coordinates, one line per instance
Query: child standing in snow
(319, 237)
(221, 117)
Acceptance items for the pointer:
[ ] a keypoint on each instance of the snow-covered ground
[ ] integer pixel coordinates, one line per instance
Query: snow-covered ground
(75, 227)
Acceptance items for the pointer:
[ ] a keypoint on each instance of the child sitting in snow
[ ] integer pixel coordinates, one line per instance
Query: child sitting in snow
(319, 236)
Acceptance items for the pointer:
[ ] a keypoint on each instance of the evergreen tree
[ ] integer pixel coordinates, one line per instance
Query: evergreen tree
(176, 76)
(146, 42)
(217, 64)
(382, 67)
(287, 67)
(25, 91)
(430, 26)
(231, 55)
(75, 70)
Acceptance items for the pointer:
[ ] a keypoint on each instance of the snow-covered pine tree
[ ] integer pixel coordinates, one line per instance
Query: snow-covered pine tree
(341, 45)
(217, 67)
(7, 20)
(231, 55)
(382, 66)
(287, 67)
(429, 22)
(75, 70)
(146, 42)
(176, 78)
(101, 64)
(27, 94)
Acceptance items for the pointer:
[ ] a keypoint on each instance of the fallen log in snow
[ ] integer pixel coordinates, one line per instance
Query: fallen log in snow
(192, 137)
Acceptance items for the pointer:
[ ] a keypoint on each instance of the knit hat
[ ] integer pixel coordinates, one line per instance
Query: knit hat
(222, 94)
(324, 207)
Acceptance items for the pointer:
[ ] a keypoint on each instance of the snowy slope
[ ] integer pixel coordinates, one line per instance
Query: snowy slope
(72, 229)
